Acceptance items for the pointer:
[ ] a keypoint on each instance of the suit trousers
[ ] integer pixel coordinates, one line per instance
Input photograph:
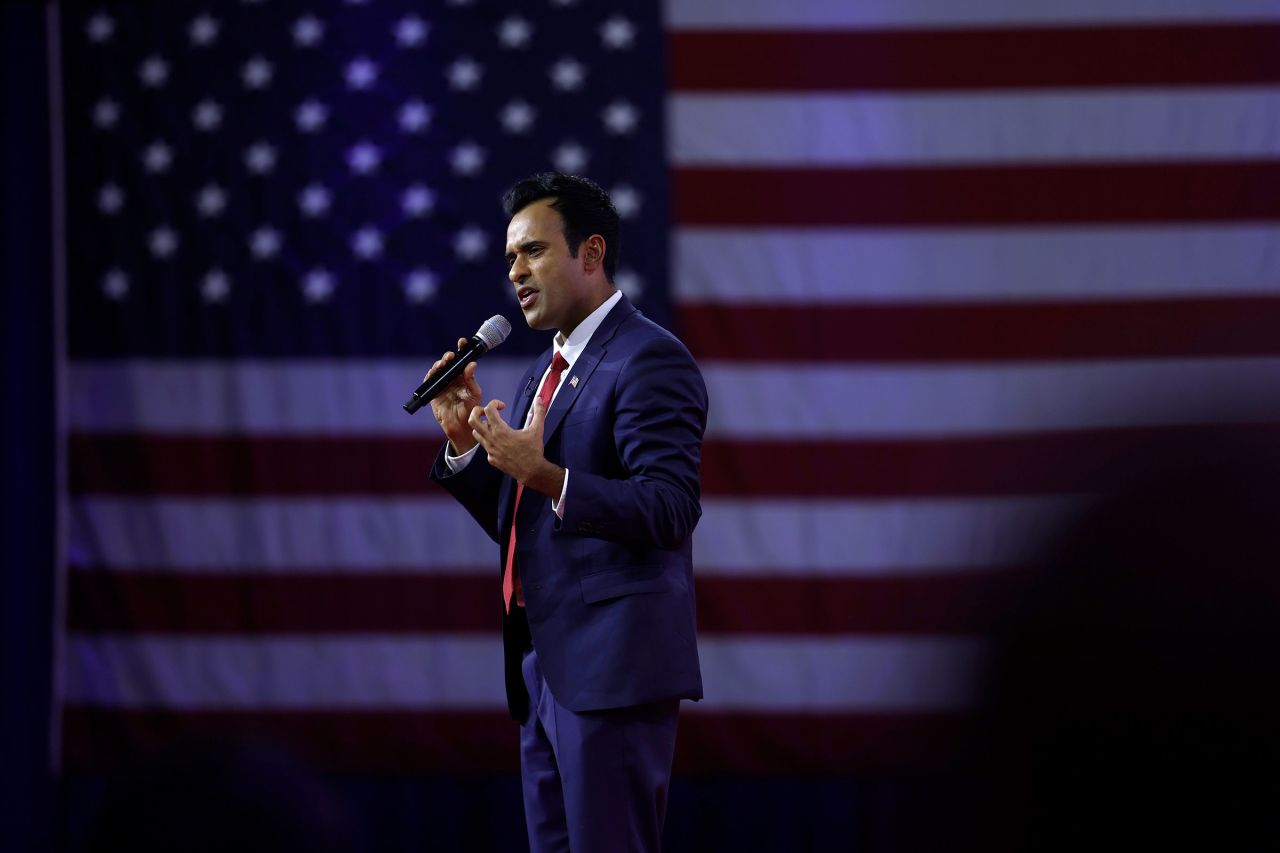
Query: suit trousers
(594, 782)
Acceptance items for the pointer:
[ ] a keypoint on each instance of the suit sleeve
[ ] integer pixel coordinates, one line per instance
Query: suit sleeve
(475, 487)
(659, 419)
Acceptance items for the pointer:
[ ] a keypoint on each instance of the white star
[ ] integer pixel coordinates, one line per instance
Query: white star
(211, 200)
(629, 283)
(256, 73)
(361, 73)
(215, 285)
(517, 117)
(467, 159)
(115, 284)
(163, 242)
(364, 158)
(153, 72)
(411, 31)
(567, 74)
(618, 33)
(203, 30)
(464, 74)
(420, 285)
(310, 115)
(317, 285)
(626, 200)
(414, 116)
(314, 200)
(264, 243)
(110, 199)
(106, 113)
(308, 31)
(620, 117)
(100, 28)
(260, 158)
(157, 157)
(417, 200)
(207, 115)
(367, 243)
(514, 31)
(570, 157)
(470, 243)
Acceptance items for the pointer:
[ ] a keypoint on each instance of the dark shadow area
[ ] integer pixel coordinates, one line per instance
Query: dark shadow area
(1133, 698)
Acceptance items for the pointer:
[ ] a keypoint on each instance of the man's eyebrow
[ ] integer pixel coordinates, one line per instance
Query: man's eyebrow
(526, 246)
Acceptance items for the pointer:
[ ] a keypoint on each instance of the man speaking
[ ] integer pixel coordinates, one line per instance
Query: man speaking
(588, 482)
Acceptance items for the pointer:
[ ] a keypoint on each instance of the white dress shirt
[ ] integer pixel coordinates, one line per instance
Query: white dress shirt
(569, 348)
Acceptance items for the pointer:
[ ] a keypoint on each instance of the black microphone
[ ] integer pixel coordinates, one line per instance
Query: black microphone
(491, 333)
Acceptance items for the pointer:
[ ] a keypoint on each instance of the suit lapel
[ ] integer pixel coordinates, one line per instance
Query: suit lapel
(580, 373)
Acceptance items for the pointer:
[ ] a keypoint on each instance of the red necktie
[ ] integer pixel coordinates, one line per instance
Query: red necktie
(510, 581)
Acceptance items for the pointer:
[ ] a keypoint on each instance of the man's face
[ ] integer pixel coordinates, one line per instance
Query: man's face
(553, 289)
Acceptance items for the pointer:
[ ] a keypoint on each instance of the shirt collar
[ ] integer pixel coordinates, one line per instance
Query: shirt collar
(577, 341)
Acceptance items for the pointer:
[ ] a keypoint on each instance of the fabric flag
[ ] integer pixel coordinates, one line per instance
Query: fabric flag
(944, 266)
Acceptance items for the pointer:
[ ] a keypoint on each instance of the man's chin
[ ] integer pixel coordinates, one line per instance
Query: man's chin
(536, 321)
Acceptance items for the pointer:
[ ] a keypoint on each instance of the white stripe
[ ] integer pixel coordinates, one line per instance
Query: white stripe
(822, 400)
(797, 537)
(918, 674)
(265, 397)
(858, 674)
(287, 535)
(802, 400)
(805, 266)
(278, 673)
(868, 129)
(823, 14)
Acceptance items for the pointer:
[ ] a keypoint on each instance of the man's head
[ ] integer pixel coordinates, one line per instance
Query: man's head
(562, 248)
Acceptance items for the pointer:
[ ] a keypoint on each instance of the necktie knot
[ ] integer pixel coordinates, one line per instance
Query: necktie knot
(558, 364)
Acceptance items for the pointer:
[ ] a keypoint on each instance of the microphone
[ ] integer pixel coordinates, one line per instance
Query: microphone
(491, 333)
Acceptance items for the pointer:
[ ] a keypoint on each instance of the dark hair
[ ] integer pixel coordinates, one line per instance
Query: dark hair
(585, 208)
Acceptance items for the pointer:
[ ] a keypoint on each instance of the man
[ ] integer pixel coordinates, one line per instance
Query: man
(593, 502)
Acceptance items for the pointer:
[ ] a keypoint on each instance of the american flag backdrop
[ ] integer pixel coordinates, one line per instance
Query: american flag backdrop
(944, 267)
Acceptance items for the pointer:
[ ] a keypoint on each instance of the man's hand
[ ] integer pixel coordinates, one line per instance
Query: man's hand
(453, 407)
(517, 452)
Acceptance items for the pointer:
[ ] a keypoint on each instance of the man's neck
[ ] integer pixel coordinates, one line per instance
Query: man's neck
(563, 334)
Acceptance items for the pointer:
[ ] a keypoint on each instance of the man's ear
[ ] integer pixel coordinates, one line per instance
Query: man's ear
(592, 252)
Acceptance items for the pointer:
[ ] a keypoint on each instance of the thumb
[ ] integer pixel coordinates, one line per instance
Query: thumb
(539, 413)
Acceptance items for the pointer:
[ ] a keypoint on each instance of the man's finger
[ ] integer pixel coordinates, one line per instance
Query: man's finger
(492, 413)
(462, 342)
(539, 414)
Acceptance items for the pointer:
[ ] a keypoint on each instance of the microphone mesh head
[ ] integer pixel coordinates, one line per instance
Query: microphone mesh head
(494, 331)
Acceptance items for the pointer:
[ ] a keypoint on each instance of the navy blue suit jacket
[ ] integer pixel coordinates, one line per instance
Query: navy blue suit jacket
(608, 589)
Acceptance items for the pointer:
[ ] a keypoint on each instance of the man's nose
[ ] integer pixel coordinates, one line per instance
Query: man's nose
(517, 273)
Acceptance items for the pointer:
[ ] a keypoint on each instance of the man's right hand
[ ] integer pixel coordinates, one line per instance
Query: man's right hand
(453, 407)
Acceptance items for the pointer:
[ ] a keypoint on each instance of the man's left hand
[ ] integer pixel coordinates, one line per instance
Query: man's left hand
(517, 452)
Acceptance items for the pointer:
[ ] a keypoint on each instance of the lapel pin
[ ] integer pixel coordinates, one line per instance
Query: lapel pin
(573, 382)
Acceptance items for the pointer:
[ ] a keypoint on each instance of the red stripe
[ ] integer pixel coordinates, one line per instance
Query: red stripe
(1087, 461)
(984, 331)
(1036, 463)
(949, 59)
(486, 742)
(980, 195)
(172, 603)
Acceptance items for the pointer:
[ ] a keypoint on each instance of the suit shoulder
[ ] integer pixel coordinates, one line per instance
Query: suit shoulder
(639, 332)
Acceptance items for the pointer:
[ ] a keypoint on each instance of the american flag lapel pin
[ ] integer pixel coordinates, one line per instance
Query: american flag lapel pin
(573, 382)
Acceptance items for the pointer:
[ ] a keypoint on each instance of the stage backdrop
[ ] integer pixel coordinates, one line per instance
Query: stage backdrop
(944, 267)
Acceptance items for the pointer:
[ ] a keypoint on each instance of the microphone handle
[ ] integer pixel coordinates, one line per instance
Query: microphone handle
(434, 386)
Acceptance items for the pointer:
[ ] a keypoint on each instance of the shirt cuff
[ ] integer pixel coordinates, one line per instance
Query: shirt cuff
(457, 463)
(558, 506)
